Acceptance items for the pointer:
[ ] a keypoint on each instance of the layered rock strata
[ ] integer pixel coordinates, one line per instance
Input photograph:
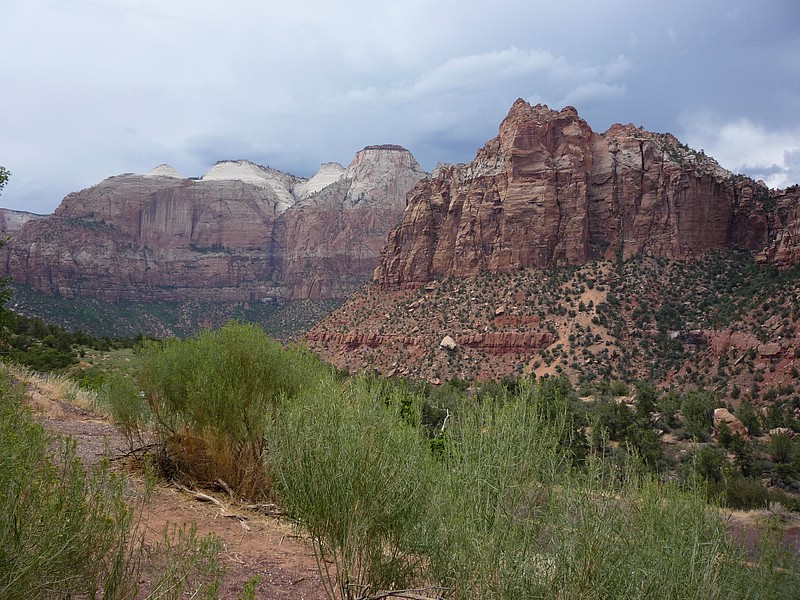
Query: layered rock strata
(549, 191)
(242, 232)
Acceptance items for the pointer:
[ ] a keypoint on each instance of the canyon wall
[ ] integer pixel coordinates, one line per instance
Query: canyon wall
(548, 191)
(242, 232)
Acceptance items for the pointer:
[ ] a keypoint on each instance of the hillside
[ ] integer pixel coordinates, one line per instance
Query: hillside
(625, 255)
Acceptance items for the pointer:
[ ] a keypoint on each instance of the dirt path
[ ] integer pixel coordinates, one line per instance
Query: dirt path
(253, 545)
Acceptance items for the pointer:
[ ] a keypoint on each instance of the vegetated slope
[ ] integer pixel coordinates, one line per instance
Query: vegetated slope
(558, 249)
(722, 321)
(284, 321)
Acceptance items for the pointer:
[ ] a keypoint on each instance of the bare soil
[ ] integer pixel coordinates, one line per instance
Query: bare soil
(252, 543)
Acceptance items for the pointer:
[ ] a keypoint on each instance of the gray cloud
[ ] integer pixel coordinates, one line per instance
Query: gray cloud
(100, 87)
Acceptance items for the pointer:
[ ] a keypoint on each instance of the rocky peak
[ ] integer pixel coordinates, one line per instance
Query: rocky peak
(164, 170)
(549, 191)
(12, 221)
(329, 173)
(265, 177)
(381, 174)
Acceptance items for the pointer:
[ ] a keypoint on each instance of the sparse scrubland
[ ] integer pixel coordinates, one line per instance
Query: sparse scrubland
(68, 530)
(504, 491)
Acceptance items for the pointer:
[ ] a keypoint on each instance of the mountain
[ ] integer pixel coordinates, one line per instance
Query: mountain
(12, 221)
(240, 233)
(548, 191)
(561, 250)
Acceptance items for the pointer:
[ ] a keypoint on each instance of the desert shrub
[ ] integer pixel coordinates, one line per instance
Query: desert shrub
(500, 465)
(514, 518)
(781, 447)
(128, 408)
(357, 476)
(66, 531)
(737, 492)
(60, 527)
(213, 397)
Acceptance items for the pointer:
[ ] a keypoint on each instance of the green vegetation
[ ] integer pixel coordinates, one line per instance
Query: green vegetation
(495, 495)
(210, 401)
(128, 319)
(66, 531)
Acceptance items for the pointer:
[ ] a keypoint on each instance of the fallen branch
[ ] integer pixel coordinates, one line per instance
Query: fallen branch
(201, 496)
(269, 509)
(409, 594)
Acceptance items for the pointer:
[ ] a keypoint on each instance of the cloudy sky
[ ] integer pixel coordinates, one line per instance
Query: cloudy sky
(93, 88)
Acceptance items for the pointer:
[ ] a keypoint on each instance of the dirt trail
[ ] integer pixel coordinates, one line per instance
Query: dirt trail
(255, 545)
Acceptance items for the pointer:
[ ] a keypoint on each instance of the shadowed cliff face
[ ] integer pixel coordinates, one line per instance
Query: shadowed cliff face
(549, 191)
(240, 233)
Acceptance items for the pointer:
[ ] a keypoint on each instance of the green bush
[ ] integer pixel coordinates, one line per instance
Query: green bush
(698, 411)
(213, 397)
(66, 531)
(62, 529)
(357, 477)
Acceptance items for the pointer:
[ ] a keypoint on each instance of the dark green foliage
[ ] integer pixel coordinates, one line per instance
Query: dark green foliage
(782, 448)
(646, 398)
(697, 408)
(747, 415)
(740, 493)
(213, 397)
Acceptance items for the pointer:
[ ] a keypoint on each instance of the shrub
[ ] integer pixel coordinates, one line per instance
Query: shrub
(358, 477)
(61, 527)
(213, 398)
(698, 409)
(66, 531)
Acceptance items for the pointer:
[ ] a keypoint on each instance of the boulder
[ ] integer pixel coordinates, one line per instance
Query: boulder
(448, 343)
(723, 415)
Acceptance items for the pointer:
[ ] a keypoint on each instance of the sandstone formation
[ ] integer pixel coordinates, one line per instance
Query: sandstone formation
(549, 191)
(332, 238)
(242, 232)
(12, 221)
(476, 255)
(733, 423)
(783, 248)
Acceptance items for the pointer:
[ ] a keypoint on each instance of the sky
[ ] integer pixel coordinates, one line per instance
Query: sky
(95, 88)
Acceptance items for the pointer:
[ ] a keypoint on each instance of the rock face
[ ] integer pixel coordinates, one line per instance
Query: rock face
(734, 425)
(332, 238)
(12, 221)
(242, 232)
(549, 191)
(783, 248)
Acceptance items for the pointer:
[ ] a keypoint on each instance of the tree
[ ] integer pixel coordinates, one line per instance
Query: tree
(698, 410)
(646, 398)
(5, 290)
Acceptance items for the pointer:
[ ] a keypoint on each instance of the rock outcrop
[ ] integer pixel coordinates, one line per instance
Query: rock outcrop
(549, 191)
(11, 221)
(240, 233)
(733, 423)
(783, 248)
(332, 238)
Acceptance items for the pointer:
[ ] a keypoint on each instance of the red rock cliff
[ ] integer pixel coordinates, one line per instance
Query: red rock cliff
(549, 191)
(242, 232)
